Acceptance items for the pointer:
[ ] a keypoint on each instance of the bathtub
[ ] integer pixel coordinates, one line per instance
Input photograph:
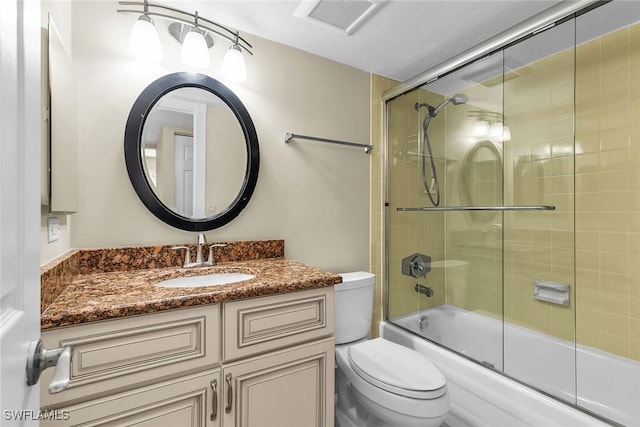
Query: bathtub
(607, 385)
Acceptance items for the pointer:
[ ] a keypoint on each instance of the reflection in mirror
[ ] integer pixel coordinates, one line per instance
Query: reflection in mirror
(482, 179)
(193, 152)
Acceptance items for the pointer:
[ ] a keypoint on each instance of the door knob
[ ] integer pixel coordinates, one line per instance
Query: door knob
(40, 358)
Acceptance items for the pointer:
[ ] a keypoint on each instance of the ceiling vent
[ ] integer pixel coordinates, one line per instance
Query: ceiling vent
(344, 15)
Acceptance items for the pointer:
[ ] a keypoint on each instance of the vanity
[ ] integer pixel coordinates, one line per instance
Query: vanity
(157, 336)
(257, 352)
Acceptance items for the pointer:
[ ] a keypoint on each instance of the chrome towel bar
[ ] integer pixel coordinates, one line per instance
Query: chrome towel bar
(480, 208)
(289, 136)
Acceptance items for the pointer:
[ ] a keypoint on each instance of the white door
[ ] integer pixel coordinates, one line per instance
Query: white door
(19, 205)
(184, 175)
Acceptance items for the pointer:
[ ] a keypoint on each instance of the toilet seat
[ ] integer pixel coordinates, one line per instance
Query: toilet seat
(396, 369)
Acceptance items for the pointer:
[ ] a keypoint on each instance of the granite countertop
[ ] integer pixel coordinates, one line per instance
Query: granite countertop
(95, 296)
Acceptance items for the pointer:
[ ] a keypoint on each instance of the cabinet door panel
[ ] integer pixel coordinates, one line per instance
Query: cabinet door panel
(256, 326)
(117, 355)
(290, 388)
(184, 402)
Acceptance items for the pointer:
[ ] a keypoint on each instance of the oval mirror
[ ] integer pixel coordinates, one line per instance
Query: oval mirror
(481, 175)
(191, 151)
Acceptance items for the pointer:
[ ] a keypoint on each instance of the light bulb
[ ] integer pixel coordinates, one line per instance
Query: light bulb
(144, 41)
(233, 66)
(506, 133)
(480, 129)
(195, 52)
(496, 131)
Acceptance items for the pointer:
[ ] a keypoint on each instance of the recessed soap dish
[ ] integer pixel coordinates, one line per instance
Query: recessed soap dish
(553, 292)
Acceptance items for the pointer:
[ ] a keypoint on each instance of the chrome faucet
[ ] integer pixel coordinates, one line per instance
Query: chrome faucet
(202, 240)
(200, 262)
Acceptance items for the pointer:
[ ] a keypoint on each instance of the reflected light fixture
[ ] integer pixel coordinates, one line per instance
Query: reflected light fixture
(481, 128)
(195, 34)
(490, 125)
(496, 130)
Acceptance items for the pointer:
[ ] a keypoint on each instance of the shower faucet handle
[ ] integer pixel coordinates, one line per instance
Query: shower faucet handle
(416, 265)
(418, 268)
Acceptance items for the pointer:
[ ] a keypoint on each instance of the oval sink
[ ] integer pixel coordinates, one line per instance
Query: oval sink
(215, 279)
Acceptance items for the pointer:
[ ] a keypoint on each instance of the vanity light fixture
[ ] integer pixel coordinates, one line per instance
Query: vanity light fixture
(190, 29)
(195, 52)
(144, 41)
(233, 66)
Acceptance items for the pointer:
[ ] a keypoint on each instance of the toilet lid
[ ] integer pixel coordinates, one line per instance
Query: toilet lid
(396, 369)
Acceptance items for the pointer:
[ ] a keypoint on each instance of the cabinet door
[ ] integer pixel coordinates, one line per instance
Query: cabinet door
(289, 388)
(117, 355)
(190, 401)
(256, 326)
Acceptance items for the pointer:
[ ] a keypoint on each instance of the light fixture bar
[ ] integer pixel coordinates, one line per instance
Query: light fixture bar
(222, 31)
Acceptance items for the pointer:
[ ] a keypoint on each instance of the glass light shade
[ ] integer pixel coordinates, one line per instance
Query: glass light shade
(195, 52)
(144, 41)
(496, 131)
(233, 67)
(506, 133)
(481, 129)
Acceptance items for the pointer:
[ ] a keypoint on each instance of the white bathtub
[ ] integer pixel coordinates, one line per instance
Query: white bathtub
(607, 384)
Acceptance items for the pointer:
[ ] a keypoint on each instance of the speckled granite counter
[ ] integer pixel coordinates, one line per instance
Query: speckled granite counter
(73, 294)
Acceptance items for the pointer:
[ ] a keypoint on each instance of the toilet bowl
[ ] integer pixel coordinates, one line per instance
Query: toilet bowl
(380, 383)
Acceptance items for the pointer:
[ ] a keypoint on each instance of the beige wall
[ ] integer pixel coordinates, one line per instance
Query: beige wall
(315, 196)
(61, 14)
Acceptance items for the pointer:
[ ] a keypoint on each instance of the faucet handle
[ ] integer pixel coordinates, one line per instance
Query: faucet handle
(211, 260)
(187, 255)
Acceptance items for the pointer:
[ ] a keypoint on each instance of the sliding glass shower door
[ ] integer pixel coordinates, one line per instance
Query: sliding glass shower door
(453, 126)
(513, 225)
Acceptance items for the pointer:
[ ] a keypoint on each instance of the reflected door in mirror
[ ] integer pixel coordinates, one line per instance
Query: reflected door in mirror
(194, 153)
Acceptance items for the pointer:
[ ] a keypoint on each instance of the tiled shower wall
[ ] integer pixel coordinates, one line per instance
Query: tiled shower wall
(539, 170)
(605, 225)
(545, 167)
(607, 165)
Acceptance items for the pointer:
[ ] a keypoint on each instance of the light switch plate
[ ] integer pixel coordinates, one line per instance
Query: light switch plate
(53, 229)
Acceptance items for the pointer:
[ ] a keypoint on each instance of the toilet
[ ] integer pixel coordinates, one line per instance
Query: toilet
(380, 383)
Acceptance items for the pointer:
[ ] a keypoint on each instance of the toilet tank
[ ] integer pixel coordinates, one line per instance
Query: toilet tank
(354, 306)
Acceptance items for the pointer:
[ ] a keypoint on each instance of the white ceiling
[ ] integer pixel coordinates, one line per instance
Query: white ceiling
(403, 38)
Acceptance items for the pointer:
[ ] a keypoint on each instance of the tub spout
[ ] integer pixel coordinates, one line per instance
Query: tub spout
(426, 290)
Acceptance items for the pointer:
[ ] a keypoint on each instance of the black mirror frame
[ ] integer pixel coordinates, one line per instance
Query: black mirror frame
(133, 152)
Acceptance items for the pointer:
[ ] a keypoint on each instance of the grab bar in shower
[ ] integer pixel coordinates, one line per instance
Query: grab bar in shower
(289, 136)
(479, 208)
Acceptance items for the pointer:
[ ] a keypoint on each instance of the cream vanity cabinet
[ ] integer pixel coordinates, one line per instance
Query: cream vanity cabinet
(266, 361)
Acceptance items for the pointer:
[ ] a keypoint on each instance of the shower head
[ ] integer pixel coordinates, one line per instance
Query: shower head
(459, 98)
(456, 99)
